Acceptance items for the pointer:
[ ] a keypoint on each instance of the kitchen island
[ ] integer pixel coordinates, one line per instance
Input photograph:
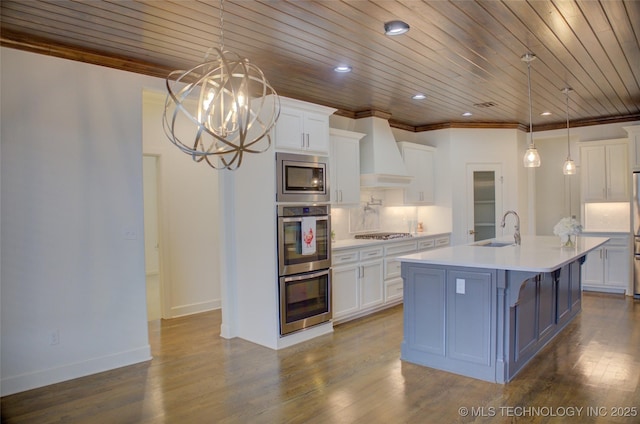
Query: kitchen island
(485, 310)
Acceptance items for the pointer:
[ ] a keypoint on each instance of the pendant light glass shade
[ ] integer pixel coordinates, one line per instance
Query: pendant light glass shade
(220, 109)
(569, 167)
(531, 157)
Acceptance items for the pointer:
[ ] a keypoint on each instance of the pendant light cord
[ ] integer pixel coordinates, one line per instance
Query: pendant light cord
(566, 91)
(530, 113)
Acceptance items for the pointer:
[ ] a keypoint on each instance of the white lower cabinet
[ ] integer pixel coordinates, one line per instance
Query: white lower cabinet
(345, 290)
(371, 289)
(365, 280)
(393, 284)
(608, 268)
(356, 282)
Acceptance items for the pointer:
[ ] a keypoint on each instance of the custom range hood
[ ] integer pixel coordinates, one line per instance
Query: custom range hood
(381, 165)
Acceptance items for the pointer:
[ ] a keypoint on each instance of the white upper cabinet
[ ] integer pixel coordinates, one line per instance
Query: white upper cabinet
(634, 145)
(303, 127)
(605, 171)
(345, 167)
(419, 161)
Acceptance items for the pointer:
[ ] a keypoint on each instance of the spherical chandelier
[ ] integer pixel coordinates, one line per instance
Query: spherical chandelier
(220, 109)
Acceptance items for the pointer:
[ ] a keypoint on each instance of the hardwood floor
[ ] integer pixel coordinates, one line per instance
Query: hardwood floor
(351, 376)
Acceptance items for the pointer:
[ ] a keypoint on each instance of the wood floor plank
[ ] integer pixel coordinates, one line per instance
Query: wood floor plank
(354, 375)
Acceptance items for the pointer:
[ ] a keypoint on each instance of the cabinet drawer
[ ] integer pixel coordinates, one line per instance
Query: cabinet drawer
(392, 268)
(344, 257)
(426, 244)
(396, 249)
(442, 241)
(374, 252)
(393, 290)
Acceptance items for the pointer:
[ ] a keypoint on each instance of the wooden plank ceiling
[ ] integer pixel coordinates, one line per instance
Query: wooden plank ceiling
(464, 55)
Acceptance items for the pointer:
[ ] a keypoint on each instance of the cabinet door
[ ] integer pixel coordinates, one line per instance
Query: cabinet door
(316, 132)
(428, 178)
(345, 290)
(419, 164)
(593, 173)
(290, 129)
(617, 172)
(617, 267)
(412, 194)
(371, 284)
(345, 171)
(593, 268)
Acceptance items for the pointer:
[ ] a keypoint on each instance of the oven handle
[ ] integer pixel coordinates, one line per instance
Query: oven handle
(299, 218)
(299, 277)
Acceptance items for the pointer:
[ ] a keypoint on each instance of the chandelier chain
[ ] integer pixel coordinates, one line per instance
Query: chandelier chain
(222, 25)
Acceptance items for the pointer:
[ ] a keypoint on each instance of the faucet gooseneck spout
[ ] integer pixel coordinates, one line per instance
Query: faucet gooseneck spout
(516, 235)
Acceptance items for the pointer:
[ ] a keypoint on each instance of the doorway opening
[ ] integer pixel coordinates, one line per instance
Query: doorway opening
(151, 238)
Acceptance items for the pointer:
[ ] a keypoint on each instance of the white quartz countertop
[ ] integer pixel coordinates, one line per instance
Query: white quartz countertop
(355, 243)
(536, 254)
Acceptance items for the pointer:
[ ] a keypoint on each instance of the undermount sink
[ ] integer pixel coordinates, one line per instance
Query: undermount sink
(494, 244)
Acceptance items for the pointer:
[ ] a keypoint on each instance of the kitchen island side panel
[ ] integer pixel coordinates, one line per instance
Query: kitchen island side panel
(427, 298)
(486, 324)
(445, 328)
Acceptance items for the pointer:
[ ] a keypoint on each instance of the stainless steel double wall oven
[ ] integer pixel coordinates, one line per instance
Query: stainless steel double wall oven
(304, 262)
(304, 241)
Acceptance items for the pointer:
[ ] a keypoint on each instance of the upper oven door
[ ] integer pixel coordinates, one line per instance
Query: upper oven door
(304, 244)
(302, 178)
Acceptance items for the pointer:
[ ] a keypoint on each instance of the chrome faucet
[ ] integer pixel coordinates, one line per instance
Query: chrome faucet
(516, 235)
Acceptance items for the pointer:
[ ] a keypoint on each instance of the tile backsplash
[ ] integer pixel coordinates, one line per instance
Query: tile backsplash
(607, 217)
(371, 217)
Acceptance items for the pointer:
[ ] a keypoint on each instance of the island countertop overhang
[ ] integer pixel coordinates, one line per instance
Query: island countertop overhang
(535, 254)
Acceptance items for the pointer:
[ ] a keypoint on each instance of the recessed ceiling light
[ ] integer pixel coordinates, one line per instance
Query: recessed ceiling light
(467, 114)
(342, 68)
(419, 96)
(545, 113)
(395, 27)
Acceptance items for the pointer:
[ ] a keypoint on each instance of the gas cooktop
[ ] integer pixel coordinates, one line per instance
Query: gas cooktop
(382, 236)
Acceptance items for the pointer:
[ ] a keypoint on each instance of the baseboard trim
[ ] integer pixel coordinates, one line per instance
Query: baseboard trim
(195, 308)
(21, 383)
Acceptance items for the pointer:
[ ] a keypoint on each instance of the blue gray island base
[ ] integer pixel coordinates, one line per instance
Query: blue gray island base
(484, 323)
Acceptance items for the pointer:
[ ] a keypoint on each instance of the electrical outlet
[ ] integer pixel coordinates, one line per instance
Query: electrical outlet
(54, 337)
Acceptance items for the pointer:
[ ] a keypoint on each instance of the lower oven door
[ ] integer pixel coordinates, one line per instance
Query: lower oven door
(305, 300)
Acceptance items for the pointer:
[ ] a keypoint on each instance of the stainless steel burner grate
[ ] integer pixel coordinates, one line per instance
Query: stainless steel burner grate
(382, 236)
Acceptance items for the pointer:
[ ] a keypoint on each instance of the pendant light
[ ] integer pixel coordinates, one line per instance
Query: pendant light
(531, 157)
(220, 109)
(569, 167)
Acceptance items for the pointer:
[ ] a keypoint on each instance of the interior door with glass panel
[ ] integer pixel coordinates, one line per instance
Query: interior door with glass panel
(484, 201)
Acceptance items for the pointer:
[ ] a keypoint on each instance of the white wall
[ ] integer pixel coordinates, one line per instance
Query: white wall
(472, 146)
(558, 195)
(71, 220)
(189, 220)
